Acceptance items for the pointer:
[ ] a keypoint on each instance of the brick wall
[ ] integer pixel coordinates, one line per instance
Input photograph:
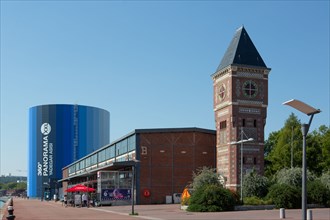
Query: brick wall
(168, 160)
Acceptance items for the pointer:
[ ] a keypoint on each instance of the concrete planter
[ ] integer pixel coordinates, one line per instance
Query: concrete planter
(184, 207)
(253, 207)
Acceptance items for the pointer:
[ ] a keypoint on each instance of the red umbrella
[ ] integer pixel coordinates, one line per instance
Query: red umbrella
(80, 188)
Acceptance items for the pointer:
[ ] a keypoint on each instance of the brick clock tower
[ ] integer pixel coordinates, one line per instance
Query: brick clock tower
(240, 105)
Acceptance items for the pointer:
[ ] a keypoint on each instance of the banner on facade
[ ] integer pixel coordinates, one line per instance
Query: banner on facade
(115, 194)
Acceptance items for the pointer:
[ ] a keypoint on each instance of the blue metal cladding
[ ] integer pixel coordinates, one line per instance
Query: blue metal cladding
(59, 135)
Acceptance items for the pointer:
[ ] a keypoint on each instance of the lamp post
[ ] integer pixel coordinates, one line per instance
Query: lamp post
(310, 111)
(241, 142)
(133, 183)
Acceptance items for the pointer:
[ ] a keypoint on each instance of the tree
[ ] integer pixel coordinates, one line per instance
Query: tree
(21, 185)
(314, 155)
(279, 144)
(280, 155)
(271, 142)
(325, 146)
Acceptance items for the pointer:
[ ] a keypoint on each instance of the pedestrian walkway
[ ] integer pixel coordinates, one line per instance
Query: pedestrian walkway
(35, 209)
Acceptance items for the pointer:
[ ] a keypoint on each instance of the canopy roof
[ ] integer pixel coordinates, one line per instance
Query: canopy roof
(80, 188)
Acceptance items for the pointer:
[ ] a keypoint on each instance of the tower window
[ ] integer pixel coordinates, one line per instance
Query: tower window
(243, 122)
(243, 160)
(254, 160)
(223, 125)
(250, 89)
(255, 123)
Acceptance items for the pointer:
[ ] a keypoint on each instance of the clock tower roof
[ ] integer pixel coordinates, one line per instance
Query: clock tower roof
(241, 51)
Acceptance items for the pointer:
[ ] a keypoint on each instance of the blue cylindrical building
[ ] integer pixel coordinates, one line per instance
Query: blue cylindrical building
(58, 136)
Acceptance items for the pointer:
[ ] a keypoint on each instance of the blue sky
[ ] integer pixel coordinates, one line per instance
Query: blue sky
(149, 62)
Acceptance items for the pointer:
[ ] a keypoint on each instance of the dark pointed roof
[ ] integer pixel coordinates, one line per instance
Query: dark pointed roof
(241, 51)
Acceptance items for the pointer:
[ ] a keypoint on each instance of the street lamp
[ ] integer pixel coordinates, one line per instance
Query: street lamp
(310, 111)
(133, 181)
(241, 142)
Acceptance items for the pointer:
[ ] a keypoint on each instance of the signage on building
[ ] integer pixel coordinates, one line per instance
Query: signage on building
(45, 165)
(116, 194)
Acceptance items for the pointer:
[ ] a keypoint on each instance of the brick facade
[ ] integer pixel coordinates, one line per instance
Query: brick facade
(240, 97)
(168, 160)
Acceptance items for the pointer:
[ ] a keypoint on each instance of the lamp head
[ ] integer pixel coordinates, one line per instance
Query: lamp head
(302, 107)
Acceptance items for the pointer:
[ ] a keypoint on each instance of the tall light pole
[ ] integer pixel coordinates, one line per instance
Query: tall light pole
(292, 148)
(133, 183)
(241, 142)
(310, 111)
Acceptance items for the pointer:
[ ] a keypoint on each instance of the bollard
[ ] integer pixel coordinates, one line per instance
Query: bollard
(10, 210)
(11, 215)
(282, 213)
(11, 202)
(309, 214)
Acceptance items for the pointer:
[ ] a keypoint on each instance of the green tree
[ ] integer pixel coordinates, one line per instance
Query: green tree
(271, 142)
(280, 155)
(314, 155)
(21, 185)
(325, 147)
(12, 185)
(279, 144)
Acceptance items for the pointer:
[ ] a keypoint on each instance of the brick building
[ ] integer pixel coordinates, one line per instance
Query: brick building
(240, 105)
(164, 160)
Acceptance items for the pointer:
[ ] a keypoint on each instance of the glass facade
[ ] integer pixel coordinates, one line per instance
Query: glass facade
(123, 150)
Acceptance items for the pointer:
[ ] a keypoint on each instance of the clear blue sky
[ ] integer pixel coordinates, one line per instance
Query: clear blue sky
(149, 63)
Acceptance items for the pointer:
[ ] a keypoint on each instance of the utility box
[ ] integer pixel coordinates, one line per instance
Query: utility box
(168, 199)
(177, 198)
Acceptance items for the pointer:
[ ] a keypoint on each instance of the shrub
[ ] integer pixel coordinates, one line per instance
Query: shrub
(204, 176)
(255, 185)
(292, 176)
(285, 196)
(211, 198)
(236, 196)
(318, 193)
(325, 179)
(256, 201)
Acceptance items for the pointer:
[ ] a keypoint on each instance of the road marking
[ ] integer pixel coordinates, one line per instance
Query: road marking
(120, 213)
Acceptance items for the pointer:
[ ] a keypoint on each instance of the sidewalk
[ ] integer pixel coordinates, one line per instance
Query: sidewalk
(35, 209)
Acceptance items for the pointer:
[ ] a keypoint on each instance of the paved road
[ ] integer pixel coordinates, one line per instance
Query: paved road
(35, 209)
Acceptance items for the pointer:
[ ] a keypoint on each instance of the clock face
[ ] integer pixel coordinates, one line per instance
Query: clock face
(250, 89)
(222, 92)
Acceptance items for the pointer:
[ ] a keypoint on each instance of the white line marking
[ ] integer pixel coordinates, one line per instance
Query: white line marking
(120, 213)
